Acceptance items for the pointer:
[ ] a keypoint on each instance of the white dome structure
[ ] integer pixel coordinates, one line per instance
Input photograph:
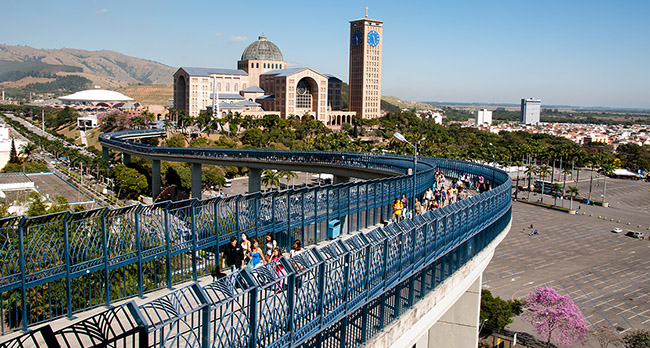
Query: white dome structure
(96, 95)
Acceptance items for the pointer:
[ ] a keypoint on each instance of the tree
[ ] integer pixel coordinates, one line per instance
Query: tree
(607, 171)
(287, 174)
(27, 151)
(13, 154)
(176, 140)
(530, 170)
(498, 312)
(573, 192)
(543, 171)
(554, 316)
(36, 206)
(129, 180)
(637, 339)
(270, 178)
(606, 335)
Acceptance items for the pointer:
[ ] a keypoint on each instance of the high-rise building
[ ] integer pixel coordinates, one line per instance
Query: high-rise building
(530, 109)
(365, 66)
(483, 116)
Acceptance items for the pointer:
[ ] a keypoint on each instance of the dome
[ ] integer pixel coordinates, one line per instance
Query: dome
(96, 95)
(262, 50)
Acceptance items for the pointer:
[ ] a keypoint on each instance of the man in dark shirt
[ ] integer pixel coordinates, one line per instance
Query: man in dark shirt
(234, 254)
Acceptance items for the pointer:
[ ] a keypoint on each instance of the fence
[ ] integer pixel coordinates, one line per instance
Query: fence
(339, 295)
(59, 264)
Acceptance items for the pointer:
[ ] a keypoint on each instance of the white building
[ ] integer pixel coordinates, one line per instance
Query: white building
(483, 116)
(530, 110)
(5, 145)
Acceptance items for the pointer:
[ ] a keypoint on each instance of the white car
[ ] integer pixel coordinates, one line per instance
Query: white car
(617, 230)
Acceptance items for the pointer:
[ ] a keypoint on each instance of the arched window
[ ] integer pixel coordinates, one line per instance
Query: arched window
(218, 86)
(257, 65)
(243, 86)
(227, 86)
(236, 87)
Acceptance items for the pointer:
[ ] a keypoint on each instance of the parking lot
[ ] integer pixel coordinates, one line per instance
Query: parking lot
(606, 274)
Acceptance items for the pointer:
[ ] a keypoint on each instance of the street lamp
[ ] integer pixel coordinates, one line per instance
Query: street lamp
(494, 162)
(400, 137)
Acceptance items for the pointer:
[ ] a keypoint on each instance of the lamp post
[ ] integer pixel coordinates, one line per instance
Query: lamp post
(494, 162)
(400, 137)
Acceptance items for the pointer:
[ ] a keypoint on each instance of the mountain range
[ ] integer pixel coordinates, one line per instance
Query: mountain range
(21, 65)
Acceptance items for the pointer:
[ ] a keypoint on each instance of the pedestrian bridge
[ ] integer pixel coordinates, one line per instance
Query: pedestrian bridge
(347, 293)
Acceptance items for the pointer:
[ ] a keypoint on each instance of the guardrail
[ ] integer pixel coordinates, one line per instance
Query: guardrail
(59, 264)
(339, 295)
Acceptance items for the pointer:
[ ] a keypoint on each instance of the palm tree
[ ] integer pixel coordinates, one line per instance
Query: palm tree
(573, 192)
(530, 170)
(543, 171)
(567, 170)
(518, 164)
(27, 151)
(607, 171)
(288, 175)
(270, 177)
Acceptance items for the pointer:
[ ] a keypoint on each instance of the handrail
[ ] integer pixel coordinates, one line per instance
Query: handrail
(64, 260)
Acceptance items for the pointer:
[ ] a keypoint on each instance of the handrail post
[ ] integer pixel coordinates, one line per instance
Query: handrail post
(107, 282)
(66, 241)
(138, 245)
(23, 280)
(169, 251)
(194, 237)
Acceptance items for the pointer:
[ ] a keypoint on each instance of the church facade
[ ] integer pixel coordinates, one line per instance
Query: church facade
(262, 84)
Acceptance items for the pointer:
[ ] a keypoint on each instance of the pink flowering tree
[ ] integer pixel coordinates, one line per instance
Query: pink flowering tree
(554, 316)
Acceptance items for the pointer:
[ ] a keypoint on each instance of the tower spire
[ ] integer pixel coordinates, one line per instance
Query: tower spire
(366, 11)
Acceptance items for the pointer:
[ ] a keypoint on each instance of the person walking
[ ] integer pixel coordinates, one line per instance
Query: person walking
(256, 254)
(270, 246)
(397, 210)
(234, 254)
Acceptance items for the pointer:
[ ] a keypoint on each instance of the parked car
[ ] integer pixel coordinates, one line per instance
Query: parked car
(635, 234)
(617, 230)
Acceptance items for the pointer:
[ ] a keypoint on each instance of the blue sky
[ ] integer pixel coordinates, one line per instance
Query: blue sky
(571, 52)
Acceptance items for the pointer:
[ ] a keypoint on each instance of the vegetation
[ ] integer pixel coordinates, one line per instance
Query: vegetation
(555, 317)
(637, 339)
(497, 313)
(130, 181)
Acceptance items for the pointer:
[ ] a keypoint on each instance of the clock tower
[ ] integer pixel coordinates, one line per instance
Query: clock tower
(365, 66)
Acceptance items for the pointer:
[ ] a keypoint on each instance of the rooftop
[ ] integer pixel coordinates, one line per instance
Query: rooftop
(96, 95)
(262, 49)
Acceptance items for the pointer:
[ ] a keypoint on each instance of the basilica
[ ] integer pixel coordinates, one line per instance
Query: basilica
(262, 84)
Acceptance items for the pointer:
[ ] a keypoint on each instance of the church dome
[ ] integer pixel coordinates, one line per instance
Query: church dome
(262, 50)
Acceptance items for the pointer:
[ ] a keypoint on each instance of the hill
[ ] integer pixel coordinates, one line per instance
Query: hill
(149, 94)
(405, 104)
(105, 68)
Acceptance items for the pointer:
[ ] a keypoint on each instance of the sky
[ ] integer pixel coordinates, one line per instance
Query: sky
(564, 52)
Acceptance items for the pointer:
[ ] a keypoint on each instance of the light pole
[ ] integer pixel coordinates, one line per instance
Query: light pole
(400, 137)
(494, 162)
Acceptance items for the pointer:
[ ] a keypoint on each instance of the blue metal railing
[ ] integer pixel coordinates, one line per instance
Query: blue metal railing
(59, 264)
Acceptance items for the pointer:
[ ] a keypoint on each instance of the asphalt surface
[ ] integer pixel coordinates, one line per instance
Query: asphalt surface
(605, 273)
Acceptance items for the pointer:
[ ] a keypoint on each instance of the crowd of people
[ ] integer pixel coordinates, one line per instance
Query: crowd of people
(248, 252)
(443, 192)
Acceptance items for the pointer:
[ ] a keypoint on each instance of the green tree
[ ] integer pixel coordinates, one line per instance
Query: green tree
(543, 172)
(270, 178)
(530, 171)
(129, 180)
(639, 338)
(176, 140)
(27, 151)
(573, 192)
(13, 154)
(498, 312)
(36, 206)
(287, 174)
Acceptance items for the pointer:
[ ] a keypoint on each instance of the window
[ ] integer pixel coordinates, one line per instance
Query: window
(235, 88)
(227, 86)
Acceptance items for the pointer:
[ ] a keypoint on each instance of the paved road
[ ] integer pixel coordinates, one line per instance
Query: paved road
(607, 274)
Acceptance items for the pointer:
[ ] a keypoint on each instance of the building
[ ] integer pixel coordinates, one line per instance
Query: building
(483, 116)
(5, 145)
(262, 84)
(530, 110)
(365, 66)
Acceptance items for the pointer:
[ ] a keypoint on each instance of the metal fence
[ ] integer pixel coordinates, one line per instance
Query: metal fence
(59, 264)
(339, 295)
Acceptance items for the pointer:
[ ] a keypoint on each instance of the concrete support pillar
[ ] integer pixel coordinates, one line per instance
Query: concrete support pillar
(339, 179)
(254, 180)
(458, 327)
(126, 158)
(155, 178)
(196, 180)
(105, 154)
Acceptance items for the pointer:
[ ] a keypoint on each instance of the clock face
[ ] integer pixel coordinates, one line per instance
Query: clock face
(373, 38)
(357, 38)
